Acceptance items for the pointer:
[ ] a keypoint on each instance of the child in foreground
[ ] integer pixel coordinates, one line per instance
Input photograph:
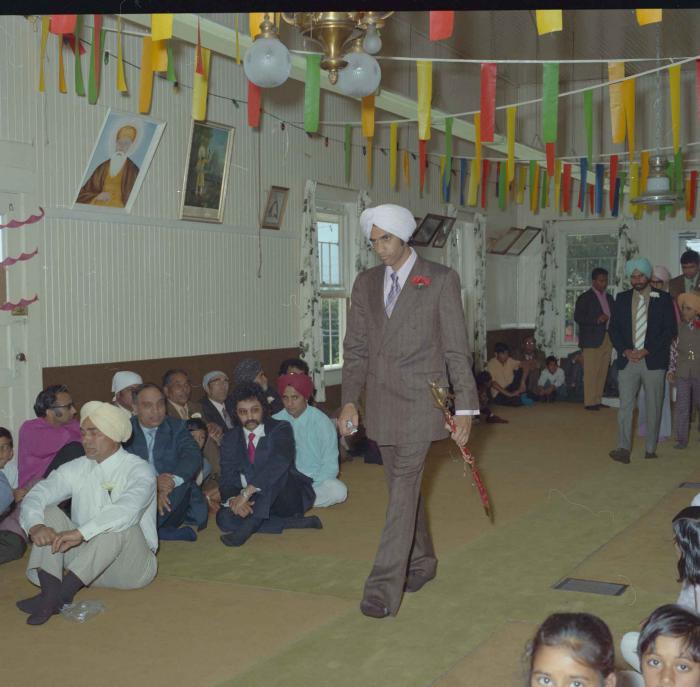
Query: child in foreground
(572, 650)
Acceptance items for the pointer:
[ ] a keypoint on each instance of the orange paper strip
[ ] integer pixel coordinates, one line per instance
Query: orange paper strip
(548, 21)
(644, 157)
(368, 116)
(45, 23)
(441, 25)
(645, 17)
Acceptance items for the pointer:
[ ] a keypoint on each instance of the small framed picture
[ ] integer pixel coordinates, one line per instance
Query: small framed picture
(206, 172)
(274, 208)
(504, 242)
(443, 232)
(426, 230)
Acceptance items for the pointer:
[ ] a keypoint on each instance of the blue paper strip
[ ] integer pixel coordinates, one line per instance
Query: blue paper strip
(583, 185)
(616, 203)
(599, 177)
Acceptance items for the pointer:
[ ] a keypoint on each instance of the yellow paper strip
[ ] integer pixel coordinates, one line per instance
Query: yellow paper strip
(406, 169)
(557, 183)
(201, 89)
(645, 17)
(45, 22)
(254, 21)
(522, 181)
(534, 191)
(644, 157)
(368, 116)
(442, 168)
(674, 81)
(161, 27)
(477, 144)
(121, 79)
(616, 70)
(548, 21)
(628, 100)
(634, 189)
(146, 78)
(473, 183)
(393, 141)
(160, 56)
(61, 71)
(238, 47)
(369, 161)
(424, 73)
(510, 135)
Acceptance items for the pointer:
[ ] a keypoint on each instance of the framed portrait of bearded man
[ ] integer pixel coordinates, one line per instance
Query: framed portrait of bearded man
(119, 162)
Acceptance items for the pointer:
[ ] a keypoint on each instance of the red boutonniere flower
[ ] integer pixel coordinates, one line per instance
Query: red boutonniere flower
(420, 281)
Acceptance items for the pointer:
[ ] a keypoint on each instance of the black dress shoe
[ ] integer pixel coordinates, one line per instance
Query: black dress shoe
(416, 582)
(601, 405)
(621, 455)
(591, 407)
(374, 608)
(650, 455)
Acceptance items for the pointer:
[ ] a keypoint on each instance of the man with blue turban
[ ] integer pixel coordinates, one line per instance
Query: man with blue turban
(642, 328)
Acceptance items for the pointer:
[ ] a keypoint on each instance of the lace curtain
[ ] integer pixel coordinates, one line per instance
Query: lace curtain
(478, 291)
(627, 249)
(311, 343)
(363, 253)
(547, 307)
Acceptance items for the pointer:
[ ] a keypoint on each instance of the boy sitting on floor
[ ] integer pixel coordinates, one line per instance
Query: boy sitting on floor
(551, 386)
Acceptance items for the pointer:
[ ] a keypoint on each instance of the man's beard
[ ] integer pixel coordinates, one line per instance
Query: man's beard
(116, 162)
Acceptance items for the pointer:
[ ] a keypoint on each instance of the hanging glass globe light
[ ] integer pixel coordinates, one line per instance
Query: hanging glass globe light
(267, 62)
(372, 43)
(362, 75)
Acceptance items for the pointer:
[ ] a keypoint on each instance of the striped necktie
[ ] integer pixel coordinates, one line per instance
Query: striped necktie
(393, 294)
(640, 327)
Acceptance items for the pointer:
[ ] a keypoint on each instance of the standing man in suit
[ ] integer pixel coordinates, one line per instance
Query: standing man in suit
(642, 328)
(592, 315)
(167, 445)
(261, 490)
(689, 279)
(405, 329)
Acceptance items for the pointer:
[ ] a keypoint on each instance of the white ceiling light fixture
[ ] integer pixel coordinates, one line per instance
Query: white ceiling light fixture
(362, 74)
(267, 63)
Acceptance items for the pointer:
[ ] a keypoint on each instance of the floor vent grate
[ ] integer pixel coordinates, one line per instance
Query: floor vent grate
(572, 584)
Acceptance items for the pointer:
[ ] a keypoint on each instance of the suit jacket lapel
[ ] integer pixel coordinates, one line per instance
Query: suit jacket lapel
(405, 302)
(375, 288)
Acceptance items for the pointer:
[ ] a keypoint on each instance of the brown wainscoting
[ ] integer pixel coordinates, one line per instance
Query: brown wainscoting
(332, 402)
(94, 382)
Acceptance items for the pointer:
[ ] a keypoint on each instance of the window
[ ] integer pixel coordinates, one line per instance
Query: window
(584, 252)
(331, 274)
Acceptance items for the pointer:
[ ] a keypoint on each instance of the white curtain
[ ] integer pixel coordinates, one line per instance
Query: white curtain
(547, 301)
(627, 249)
(477, 290)
(311, 343)
(362, 251)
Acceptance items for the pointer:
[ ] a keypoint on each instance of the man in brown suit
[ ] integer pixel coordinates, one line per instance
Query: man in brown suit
(689, 279)
(405, 328)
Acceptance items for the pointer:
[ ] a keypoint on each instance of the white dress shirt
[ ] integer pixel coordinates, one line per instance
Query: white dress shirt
(110, 496)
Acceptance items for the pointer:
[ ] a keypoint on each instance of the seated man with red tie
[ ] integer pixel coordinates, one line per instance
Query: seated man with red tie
(261, 490)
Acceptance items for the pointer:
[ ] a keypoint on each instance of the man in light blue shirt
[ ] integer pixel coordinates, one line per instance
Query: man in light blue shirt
(315, 438)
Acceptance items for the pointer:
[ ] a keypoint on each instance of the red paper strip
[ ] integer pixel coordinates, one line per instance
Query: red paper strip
(549, 149)
(15, 223)
(8, 262)
(566, 204)
(488, 101)
(63, 23)
(200, 62)
(253, 105)
(485, 168)
(612, 178)
(422, 163)
(20, 304)
(693, 192)
(441, 25)
(70, 39)
(591, 197)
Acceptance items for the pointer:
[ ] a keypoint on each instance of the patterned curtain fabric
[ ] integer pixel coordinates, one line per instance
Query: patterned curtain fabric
(627, 249)
(478, 291)
(547, 308)
(363, 253)
(311, 343)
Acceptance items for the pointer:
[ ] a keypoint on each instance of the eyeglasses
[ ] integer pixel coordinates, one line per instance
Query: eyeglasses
(67, 405)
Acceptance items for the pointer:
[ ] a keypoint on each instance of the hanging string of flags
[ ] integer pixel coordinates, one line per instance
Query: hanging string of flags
(157, 57)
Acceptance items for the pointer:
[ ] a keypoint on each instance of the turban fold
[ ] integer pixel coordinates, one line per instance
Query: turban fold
(210, 376)
(393, 219)
(661, 273)
(246, 371)
(691, 299)
(109, 419)
(124, 378)
(302, 383)
(641, 265)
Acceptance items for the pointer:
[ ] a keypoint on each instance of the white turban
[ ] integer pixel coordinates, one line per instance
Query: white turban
(391, 218)
(108, 419)
(124, 378)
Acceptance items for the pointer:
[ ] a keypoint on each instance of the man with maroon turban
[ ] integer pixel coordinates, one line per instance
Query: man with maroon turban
(315, 438)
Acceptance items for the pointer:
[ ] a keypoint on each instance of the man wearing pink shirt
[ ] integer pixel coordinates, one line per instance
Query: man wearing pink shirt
(53, 429)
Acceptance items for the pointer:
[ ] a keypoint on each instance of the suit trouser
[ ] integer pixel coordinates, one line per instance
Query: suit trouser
(121, 560)
(596, 362)
(686, 387)
(406, 545)
(630, 379)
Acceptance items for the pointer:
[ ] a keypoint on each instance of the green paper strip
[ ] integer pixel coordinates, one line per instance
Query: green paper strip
(171, 76)
(550, 101)
(448, 146)
(502, 185)
(79, 85)
(312, 93)
(678, 185)
(588, 119)
(348, 149)
(544, 182)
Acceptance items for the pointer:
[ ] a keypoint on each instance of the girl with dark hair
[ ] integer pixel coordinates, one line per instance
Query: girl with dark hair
(686, 536)
(572, 649)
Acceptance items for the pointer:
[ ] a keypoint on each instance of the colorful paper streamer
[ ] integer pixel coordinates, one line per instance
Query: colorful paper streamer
(441, 25)
(161, 27)
(550, 101)
(23, 303)
(566, 191)
(644, 175)
(522, 181)
(473, 183)
(424, 75)
(674, 82)
(199, 62)
(549, 154)
(599, 179)
(448, 143)
(312, 93)
(78, 71)
(61, 71)
(548, 21)
(17, 223)
(616, 70)
(367, 110)
(462, 179)
(63, 23)
(510, 142)
(488, 101)
(583, 174)
(485, 171)
(477, 144)
(645, 17)
(612, 178)
(628, 99)
(96, 61)
(45, 25)
(146, 76)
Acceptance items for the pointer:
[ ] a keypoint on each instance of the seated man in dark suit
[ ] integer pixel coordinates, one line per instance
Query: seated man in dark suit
(167, 445)
(215, 407)
(261, 490)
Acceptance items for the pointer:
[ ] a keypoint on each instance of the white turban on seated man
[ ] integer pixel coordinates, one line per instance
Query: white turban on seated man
(110, 539)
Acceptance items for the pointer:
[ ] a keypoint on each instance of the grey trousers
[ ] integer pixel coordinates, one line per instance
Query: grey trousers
(687, 388)
(406, 545)
(634, 376)
(121, 560)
